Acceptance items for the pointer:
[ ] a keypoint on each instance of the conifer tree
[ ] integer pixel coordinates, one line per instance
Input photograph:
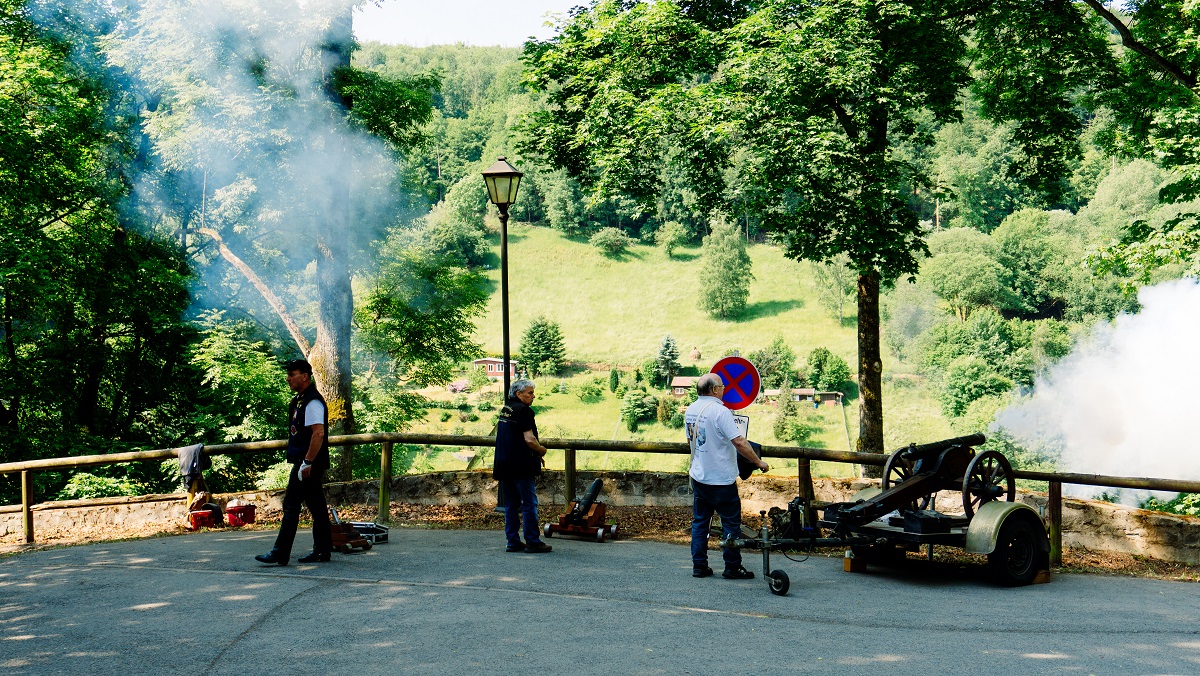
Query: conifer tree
(667, 360)
(542, 348)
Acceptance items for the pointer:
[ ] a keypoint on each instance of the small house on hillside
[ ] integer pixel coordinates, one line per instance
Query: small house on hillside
(494, 367)
(681, 384)
(798, 394)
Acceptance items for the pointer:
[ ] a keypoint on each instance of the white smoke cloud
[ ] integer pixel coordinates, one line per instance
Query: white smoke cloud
(1123, 402)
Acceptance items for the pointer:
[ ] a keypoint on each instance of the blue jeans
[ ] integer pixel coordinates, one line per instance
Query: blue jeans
(724, 500)
(520, 502)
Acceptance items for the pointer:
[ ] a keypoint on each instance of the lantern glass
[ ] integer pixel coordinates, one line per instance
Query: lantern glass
(502, 180)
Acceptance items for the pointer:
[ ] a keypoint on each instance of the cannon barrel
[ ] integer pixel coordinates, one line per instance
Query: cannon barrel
(582, 506)
(916, 451)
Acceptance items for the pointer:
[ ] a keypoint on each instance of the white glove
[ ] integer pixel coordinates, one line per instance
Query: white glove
(300, 472)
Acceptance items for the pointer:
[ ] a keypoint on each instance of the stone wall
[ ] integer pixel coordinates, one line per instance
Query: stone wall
(1094, 525)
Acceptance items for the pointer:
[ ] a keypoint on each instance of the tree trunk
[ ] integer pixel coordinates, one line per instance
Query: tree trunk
(870, 368)
(335, 301)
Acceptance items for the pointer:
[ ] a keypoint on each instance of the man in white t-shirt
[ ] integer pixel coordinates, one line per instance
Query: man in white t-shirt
(715, 441)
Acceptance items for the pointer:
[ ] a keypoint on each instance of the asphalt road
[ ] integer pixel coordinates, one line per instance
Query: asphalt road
(454, 602)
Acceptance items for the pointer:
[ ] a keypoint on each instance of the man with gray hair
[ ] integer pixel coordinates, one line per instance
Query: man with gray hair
(519, 460)
(716, 441)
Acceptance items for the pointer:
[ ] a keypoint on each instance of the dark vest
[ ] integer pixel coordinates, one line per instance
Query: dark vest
(300, 436)
(514, 458)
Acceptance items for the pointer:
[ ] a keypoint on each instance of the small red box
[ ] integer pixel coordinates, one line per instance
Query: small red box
(202, 519)
(240, 516)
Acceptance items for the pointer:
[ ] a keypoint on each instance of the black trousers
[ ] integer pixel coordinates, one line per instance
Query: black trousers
(307, 493)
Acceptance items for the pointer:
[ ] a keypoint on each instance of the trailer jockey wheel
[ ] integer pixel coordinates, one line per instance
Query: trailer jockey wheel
(988, 477)
(546, 532)
(897, 470)
(778, 582)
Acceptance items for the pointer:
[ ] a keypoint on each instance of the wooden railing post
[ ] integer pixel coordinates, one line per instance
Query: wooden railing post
(27, 504)
(804, 479)
(385, 484)
(569, 474)
(1055, 513)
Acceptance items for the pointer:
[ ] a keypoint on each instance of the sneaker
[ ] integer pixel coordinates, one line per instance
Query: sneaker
(702, 571)
(537, 548)
(739, 573)
(517, 547)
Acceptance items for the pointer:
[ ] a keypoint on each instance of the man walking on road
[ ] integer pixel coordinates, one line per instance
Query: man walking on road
(716, 441)
(308, 451)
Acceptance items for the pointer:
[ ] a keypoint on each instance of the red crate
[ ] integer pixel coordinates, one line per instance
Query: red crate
(202, 519)
(240, 516)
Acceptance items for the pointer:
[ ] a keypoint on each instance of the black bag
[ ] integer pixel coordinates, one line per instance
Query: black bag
(745, 467)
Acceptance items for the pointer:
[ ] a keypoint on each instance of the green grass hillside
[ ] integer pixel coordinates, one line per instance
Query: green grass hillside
(618, 310)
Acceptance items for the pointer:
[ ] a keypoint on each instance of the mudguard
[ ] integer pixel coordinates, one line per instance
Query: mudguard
(984, 529)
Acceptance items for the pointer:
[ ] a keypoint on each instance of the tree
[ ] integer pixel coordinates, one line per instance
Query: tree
(725, 273)
(633, 85)
(542, 349)
(836, 284)
(826, 370)
(966, 281)
(614, 379)
(666, 362)
(670, 236)
(776, 363)
(249, 111)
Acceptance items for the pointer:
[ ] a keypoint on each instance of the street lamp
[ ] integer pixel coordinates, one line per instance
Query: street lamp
(502, 181)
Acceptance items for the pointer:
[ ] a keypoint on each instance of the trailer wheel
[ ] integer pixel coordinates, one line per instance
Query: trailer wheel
(612, 532)
(778, 582)
(546, 531)
(1019, 554)
(366, 545)
(600, 534)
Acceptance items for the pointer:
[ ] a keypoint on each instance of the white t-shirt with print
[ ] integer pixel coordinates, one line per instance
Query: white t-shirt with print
(314, 413)
(710, 432)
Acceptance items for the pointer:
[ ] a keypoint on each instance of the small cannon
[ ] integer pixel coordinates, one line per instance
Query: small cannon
(585, 518)
(880, 524)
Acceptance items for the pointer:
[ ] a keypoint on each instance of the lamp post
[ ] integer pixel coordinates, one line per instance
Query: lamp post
(502, 181)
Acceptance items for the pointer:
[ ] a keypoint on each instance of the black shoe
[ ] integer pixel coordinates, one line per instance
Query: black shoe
(315, 557)
(519, 547)
(739, 573)
(702, 571)
(273, 556)
(537, 548)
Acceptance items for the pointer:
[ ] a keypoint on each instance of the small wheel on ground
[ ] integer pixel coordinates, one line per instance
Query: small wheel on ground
(366, 545)
(600, 534)
(612, 532)
(1021, 551)
(778, 582)
(345, 549)
(546, 532)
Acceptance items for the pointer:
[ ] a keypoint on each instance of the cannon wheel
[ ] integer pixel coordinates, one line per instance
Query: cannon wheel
(988, 477)
(547, 532)
(897, 470)
(600, 534)
(1019, 551)
(778, 582)
(612, 532)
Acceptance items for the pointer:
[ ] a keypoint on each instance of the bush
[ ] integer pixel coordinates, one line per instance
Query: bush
(275, 477)
(486, 405)
(445, 416)
(460, 402)
(610, 241)
(84, 486)
(968, 379)
(665, 409)
(614, 379)
(590, 393)
(562, 387)
(676, 421)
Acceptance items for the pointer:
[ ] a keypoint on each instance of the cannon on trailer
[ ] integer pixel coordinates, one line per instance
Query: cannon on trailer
(585, 518)
(878, 525)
